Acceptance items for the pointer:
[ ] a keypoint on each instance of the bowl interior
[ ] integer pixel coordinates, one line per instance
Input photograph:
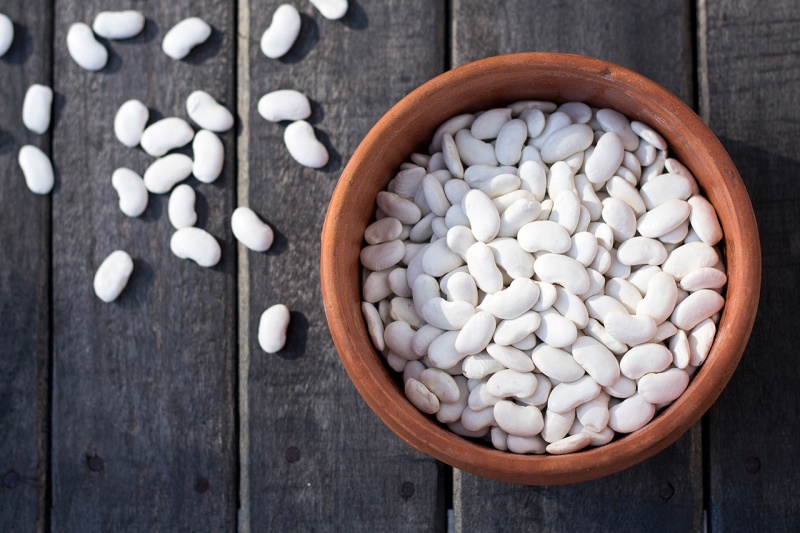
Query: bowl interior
(498, 81)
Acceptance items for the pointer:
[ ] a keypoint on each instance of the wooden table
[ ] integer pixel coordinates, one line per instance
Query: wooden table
(159, 412)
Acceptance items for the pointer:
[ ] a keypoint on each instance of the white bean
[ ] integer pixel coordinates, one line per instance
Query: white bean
(630, 329)
(511, 357)
(489, 123)
(556, 330)
(285, 104)
(513, 301)
(209, 156)
(645, 359)
(703, 278)
(557, 425)
(374, 325)
(112, 275)
(207, 113)
(184, 36)
(272, 328)
(118, 25)
(168, 133)
(544, 235)
(510, 140)
(131, 191)
(519, 420)
(556, 363)
(665, 187)
(664, 386)
(567, 396)
(563, 270)
(129, 122)
(473, 151)
(181, 207)
(476, 334)
(695, 308)
(84, 49)
(165, 172)
(611, 120)
(6, 34)
(641, 251)
(37, 169)
(196, 244)
(704, 220)
(660, 299)
(303, 145)
(509, 382)
(566, 142)
(331, 9)
(680, 349)
(250, 230)
(700, 340)
(662, 219)
(282, 32)
(36, 108)
(598, 361)
(483, 268)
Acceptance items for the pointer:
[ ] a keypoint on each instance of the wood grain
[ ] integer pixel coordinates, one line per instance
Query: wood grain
(24, 281)
(753, 101)
(320, 460)
(144, 431)
(611, 31)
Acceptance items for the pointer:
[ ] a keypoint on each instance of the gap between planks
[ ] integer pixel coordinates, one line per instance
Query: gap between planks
(243, 276)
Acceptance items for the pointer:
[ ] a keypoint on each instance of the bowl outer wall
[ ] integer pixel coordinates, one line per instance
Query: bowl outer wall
(408, 127)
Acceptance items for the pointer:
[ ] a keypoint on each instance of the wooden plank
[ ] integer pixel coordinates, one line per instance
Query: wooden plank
(144, 430)
(665, 492)
(753, 104)
(319, 459)
(24, 280)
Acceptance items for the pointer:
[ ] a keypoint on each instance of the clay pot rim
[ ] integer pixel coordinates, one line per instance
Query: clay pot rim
(720, 181)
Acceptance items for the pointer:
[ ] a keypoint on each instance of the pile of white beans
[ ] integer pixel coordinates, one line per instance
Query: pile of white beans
(545, 279)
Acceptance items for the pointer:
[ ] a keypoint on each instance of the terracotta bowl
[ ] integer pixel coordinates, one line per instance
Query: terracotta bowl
(409, 126)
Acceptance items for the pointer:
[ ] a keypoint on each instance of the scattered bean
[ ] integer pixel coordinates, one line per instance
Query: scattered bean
(184, 36)
(112, 275)
(131, 190)
(282, 32)
(250, 230)
(207, 113)
(84, 49)
(209, 156)
(303, 145)
(36, 108)
(168, 133)
(6, 34)
(117, 25)
(37, 169)
(286, 104)
(181, 207)
(272, 328)
(129, 122)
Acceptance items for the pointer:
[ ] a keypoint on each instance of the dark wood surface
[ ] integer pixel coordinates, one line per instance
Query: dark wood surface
(753, 105)
(160, 412)
(24, 280)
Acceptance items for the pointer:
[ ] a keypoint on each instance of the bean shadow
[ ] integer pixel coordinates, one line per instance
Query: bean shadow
(21, 47)
(296, 337)
(355, 18)
(334, 157)
(147, 34)
(279, 244)
(207, 50)
(306, 41)
(201, 208)
(155, 208)
(114, 62)
(317, 113)
(7, 142)
(135, 292)
(58, 108)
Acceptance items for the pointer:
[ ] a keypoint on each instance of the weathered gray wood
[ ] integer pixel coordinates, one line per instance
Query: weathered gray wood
(24, 281)
(319, 459)
(665, 492)
(753, 105)
(144, 412)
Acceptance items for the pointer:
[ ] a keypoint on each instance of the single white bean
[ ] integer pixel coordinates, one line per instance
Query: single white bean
(374, 325)
(331, 9)
(612, 120)
(519, 420)
(209, 156)
(641, 251)
(563, 270)
(131, 191)
(480, 366)
(645, 359)
(630, 329)
(382, 256)
(556, 330)
(567, 396)
(695, 308)
(510, 140)
(513, 301)
(570, 444)
(184, 36)
(473, 151)
(37, 169)
(129, 122)
(482, 214)
(660, 299)
(700, 340)
(207, 113)
(544, 235)
(36, 108)
(285, 104)
(704, 220)
(662, 219)
(507, 382)
(6, 34)
(630, 414)
(84, 49)
(703, 278)
(556, 363)
(663, 187)
(303, 145)
(282, 32)
(566, 142)
(664, 386)
(250, 230)
(118, 25)
(511, 357)
(483, 268)
(605, 159)
(168, 133)
(476, 334)
(488, 124)
(181, 207)
(557, 425)
(112, 275)
(272, 328)
(164, 173)
(196, 244)
(598, 361)
(594, 413)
